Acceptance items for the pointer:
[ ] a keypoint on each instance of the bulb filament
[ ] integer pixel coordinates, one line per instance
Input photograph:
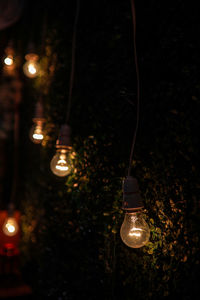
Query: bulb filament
(61, 165)
(31, 68)
(133, 232)
(37, 136)
(10, 227)
(8, 61)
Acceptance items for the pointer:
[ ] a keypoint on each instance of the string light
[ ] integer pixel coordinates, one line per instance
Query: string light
(36, 132)
(31, 68)
(134, 231)
(62, 164)
(10, 226)
(8, 60)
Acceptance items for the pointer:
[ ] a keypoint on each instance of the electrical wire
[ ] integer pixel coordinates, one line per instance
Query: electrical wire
(73, 59)
(138, 86)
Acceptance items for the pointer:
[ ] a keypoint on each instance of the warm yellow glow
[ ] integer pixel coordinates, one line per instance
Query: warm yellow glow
(8, 60)
(32, 69)
(134, 231)
(61, 163)
(37, 136)
(36, 133)
(10, 226)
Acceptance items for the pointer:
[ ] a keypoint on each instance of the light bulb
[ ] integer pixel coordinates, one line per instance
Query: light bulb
(134, 231)
(31, 68)
(9, 63)
(8, 60)
(10, 227)
(36, 133)
(61, 163)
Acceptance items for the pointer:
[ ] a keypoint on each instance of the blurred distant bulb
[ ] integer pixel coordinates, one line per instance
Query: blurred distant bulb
(36, 133)
(31, 68)
(61, 164)
(134, 231)
(10, 226)
(9, 60)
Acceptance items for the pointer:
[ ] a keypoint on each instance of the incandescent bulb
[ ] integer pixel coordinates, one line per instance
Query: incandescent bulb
(61, 163)
(8, 60)
(134, 231)
(10, 227)
(31, 68)
(36, 133)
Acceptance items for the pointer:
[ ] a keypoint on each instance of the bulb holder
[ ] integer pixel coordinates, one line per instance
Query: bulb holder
(38, 120)
(31, 57)
(38, 117)
(9, 50)
(132, 200)
(64, 140)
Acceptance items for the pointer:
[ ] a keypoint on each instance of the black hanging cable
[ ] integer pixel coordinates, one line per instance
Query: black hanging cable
(73, 60)
(138, 86)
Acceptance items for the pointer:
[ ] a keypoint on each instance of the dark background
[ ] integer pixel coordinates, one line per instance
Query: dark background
(70, 245)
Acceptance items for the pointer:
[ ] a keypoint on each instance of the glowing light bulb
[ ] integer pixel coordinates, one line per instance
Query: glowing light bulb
(10, 227)
(61, 163)
(134, 231)
(8, 60)
(36, 133)
(31, 68)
